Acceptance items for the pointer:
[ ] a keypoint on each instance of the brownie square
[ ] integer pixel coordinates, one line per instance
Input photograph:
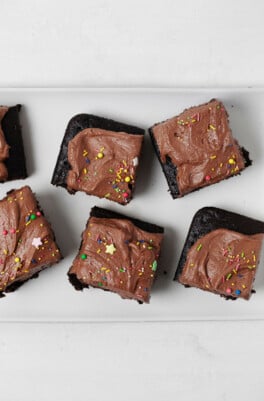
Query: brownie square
(27, 243)
(117, 253)
(12, 156)
(197, 149)
(221, 253)
(100, 157)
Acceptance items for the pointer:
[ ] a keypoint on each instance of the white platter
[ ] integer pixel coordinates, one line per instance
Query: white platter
(44, 117)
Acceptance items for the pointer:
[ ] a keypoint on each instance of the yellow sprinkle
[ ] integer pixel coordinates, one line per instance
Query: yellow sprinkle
(98, 250)
(127, 179)
(243, 286)
(221, 164)
(192, 264)
(28, 222)
(211, 126)
(103, 268)
(100, 155)
(108, 270)
(107, 195)
(231, 161)
(5, 251)
(213, 157)
(85, 153)
(212, 169)
(85, 170)
(17, 259)
(140, 274)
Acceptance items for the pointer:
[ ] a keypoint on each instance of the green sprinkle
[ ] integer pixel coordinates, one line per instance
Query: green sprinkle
(100, 284)
(83, 256)
(199, 247)
(150, 247)
(242, 254)
(33, 217)
(154, 266)
(228, 276)
(122, 270)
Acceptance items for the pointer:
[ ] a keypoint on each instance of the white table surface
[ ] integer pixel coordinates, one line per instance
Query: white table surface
(132, 43)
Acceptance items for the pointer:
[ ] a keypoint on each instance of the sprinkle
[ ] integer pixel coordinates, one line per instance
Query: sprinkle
(228, 290)
(154, 266)
(5, 251)
(207, 178)
(242, 254)
(33, 216)
(135, 161)
(83, 256)
(100, 284)
(108, 270)
(228, 276)
(100, 155)
(213, 157)
(5, 232)
(38, 213)
(36, 242)
(243, 286)
(211, 126)
(122, 270)
(237, 292)
(231, 161)
(110, 249)
(125, 195)
(107, 195)
(17, 259)
(199, 247)
(127, 179)
(13, 230)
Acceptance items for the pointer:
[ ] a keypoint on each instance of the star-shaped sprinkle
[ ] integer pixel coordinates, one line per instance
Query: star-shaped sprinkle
(110, 249)
(36, 242)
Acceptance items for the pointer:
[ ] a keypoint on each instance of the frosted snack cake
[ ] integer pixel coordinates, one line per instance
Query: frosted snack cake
(27, 243)
(12, 157)
(100, 157)
(118, 254)
(221, 253)
(197, 149)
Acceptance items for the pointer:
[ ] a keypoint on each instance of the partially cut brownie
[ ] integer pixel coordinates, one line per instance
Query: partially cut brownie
(12, 156)
(100, 157)
(27, 243)
(117, 253)
(221, 253)
(197, 149)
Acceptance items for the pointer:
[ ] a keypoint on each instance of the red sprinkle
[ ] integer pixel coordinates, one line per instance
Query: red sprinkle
(38, 214)
(207, 178)
(5, 232)
(125, 195)
(228, 290)
(12, 231)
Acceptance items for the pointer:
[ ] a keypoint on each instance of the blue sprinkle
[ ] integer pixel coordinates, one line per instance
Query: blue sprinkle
(146, 289)
(87, 161)
(141, 241)
(33, 261)
(237, 292)
(27, 218)
(114, 186)
(126, 241)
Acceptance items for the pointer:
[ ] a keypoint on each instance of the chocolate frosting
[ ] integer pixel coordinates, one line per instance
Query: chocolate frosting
(4, 148)
(118, 256)
(104, 163)
(200, 144)
(26, 238)
(223, 262)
